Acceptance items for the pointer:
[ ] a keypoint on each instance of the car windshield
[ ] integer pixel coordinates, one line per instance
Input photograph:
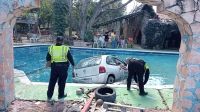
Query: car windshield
(88, 62)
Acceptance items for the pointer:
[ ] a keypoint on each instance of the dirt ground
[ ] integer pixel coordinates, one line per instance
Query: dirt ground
(67, 106)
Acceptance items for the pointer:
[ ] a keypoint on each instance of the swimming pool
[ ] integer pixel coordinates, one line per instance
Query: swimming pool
(32, 59)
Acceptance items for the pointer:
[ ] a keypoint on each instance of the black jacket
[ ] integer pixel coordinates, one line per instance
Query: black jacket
(139, 65)
(69, 57)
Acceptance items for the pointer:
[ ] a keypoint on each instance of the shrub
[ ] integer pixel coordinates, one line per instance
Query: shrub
(88, 37)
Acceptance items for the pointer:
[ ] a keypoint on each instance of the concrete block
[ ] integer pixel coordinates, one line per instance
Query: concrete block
(79, 92)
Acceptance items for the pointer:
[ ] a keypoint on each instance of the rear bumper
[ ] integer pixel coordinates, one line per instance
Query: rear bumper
(97, 79)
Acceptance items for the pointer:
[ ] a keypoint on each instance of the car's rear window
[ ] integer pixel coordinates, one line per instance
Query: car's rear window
(89, 62)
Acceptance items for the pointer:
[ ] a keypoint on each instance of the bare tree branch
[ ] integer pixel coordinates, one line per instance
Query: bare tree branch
(114, 9)
(111, 2)
(99, 12)
(83, 15)
(70, 5)
(95, 13)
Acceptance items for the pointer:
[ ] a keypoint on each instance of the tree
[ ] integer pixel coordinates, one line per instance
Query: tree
(112, 14)
(82, 7)
(46, 12)
(60, 16)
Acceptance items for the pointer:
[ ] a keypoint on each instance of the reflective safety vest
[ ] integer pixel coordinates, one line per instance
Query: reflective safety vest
(146, 66)
(58, 53)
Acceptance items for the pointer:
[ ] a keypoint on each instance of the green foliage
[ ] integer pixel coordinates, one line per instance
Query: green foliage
(88, 36)
(112, 14)
(91, 8)
(60, 16)
(46, 12)
(25, 14)
(156, 31)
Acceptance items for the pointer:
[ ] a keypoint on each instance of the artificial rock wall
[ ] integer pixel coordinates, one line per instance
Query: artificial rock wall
(186, 13)
(9, 10)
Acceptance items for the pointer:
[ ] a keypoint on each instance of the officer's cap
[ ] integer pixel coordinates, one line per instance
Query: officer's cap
(59, 38)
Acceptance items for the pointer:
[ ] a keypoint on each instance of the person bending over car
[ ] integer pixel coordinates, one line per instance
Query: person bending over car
(137, 68)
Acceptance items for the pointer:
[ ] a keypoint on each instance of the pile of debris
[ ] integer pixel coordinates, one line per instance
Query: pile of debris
(104, 101)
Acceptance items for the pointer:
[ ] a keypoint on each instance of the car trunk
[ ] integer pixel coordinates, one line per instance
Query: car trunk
(87, 71)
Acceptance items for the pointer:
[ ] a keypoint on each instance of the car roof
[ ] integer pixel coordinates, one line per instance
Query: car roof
(99, 56)
(103, 56)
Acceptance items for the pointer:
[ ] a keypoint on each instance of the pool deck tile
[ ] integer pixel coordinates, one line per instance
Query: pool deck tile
(37, 91)
(168, 96)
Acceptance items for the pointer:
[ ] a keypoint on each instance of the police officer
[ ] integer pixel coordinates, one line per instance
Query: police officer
(60, 56)
(137, 68)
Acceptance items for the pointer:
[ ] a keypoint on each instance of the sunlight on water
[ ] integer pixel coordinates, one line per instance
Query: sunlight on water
(33, 59)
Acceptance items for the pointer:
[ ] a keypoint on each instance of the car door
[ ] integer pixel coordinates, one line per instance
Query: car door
(122, 72)
(112, 67)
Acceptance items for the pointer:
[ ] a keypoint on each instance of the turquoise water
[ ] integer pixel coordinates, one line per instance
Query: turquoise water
(32, 61)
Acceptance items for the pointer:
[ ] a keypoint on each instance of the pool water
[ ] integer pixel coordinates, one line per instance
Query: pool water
(33, 59)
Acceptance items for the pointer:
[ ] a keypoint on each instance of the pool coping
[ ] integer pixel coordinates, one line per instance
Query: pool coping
(25, 80)
(108, 49)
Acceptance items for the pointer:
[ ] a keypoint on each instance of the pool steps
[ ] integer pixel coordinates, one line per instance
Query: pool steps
(35, 70)
(20, 65)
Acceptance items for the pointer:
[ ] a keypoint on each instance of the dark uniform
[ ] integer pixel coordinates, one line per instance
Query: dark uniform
(106, 36)
(137, 68)
(58, 70)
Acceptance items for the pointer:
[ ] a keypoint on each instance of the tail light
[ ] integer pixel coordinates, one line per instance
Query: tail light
(102, 69)
(73, 75)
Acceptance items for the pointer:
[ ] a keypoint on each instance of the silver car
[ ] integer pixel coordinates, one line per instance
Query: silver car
(99, 70)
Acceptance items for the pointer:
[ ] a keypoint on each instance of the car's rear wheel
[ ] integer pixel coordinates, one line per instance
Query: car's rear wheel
(111, 79)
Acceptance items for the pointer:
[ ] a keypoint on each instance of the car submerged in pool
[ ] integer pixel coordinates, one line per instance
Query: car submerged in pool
(103, 69)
